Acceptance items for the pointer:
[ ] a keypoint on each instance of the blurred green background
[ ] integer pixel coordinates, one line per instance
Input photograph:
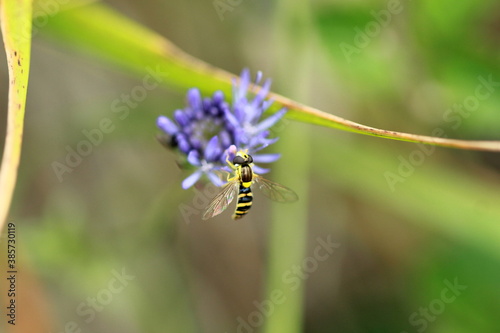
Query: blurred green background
(401, 244)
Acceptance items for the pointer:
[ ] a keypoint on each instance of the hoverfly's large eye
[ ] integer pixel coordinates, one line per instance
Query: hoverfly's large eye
(238, 160)
(249, 159)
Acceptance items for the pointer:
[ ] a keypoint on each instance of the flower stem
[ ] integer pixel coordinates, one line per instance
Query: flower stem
(288, 230)
(288, 234)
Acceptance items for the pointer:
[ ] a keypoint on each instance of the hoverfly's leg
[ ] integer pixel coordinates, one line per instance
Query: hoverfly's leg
(231, 165)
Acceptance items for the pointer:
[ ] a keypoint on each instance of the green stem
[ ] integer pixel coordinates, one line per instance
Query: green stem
(288, 230)
(288, 234)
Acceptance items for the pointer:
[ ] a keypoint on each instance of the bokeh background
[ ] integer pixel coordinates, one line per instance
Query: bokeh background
(399, 65)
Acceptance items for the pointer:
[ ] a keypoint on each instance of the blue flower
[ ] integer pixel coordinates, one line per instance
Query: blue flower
(208, 130)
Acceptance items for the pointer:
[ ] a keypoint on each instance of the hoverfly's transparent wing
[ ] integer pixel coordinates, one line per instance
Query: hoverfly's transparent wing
(221, 200)
(275, 191)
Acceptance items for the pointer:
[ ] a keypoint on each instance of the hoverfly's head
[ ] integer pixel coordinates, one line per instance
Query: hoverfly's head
(242, 158)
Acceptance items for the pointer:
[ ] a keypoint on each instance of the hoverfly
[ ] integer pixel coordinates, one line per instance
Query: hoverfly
(241, 184)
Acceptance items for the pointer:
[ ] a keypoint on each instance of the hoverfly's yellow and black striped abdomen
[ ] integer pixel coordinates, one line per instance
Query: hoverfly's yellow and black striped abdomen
(244, 203)
(245, 193)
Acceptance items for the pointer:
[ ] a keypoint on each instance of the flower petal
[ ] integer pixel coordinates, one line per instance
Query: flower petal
(197, 144)
(218, 97)
(266, 104)
(189, 181)
(212, 150)
(225, 138)
(182, 143)
(231, 118)
(257, 169)
(181, 118)
(244, 82)
(232, 150)
(258, 77)
(228, 154)
(267, 142)
(239, 137)
(215, 179)
(194, 158)
(270, 121)
(167, 125)
(261, 141)
(194, 98)
(266, 158)
(250, 114)
(239, 110)
(261, 95)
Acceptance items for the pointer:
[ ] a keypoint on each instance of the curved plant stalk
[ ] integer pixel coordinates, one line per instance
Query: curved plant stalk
(15, 17)
(103, 32)
(299, 111)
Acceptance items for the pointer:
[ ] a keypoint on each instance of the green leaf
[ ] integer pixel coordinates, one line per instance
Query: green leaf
(15, 19)
(100, 31)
